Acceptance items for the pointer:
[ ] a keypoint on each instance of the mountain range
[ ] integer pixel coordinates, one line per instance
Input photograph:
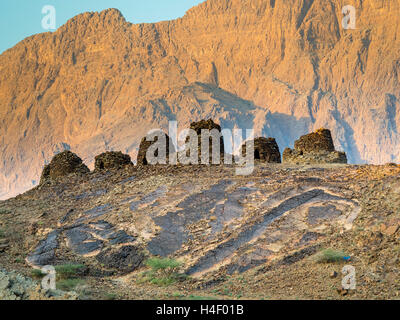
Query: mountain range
(284, 68)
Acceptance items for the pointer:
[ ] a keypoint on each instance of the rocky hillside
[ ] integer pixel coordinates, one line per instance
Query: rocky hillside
(283, 67)
(286, 231)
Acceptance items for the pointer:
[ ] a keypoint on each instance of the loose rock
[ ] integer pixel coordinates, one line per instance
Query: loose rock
(14, 286)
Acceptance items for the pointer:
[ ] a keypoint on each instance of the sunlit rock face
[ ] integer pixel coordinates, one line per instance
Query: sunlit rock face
(284, 68)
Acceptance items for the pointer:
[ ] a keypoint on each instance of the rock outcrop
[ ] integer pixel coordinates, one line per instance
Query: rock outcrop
(111, 160)
(285, 68)
(125, 259)
(316, 147)
(63, 164)
(265, 150)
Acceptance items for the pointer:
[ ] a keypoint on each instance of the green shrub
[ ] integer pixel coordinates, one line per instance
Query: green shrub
(329, 256)
(18, 260)
(163, 272)
(178, 295)
(162, 281)
(68, 284)
(68, 271)
(157, 264)
(37, 274)
(111, 296)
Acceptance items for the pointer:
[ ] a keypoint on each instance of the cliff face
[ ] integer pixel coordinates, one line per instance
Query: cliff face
(283, 67)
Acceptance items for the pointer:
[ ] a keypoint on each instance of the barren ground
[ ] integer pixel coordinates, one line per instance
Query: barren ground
(252, 237)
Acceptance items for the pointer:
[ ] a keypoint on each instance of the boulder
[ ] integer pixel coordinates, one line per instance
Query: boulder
(111, 160)
(265, 150)
(314, 148)
(63, 164)
(145, 145)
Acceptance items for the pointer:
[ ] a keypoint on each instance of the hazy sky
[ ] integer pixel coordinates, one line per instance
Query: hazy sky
(22, 18)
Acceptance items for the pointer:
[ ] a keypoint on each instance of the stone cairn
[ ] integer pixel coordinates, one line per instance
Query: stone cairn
(209, 125)
(145, 145)
(63, 164)
(111, 160)
(265, 150)
(314, 148)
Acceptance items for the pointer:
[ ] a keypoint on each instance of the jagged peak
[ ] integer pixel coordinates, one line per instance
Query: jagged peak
(112, 12)
(112, 16)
